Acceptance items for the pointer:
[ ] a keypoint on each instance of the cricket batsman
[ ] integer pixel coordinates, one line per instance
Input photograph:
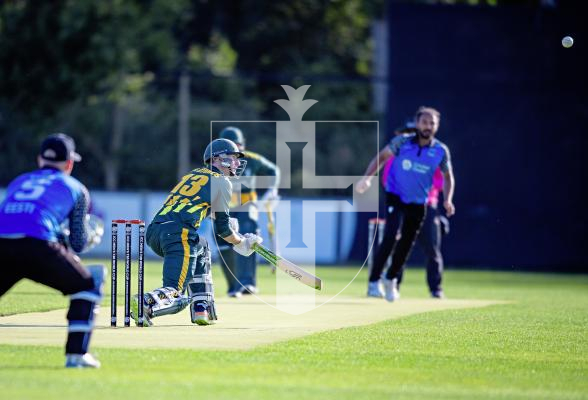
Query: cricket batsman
(173, 234)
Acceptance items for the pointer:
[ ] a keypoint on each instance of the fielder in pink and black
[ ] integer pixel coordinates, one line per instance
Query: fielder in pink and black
(416, 157)
(35, 244)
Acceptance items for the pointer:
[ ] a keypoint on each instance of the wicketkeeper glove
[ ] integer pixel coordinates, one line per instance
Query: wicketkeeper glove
(95, 230)
(245, 247)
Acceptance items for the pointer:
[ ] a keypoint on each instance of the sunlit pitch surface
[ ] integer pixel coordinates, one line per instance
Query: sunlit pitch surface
(243, 323)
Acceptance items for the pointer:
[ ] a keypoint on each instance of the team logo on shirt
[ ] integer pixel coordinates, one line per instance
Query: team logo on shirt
(421, 168)
(406, 165)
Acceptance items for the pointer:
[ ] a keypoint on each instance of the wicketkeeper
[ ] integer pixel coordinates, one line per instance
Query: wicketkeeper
(43, 215)
(173, 234)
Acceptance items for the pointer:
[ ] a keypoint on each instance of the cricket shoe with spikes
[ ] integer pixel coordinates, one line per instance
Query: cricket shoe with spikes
(86, 360)
(375, 289)
(249, 289)
(391, 289)
(135, 312)
(200, 313)
(235, 293)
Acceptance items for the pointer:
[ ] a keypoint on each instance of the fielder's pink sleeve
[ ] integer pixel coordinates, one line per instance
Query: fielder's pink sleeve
(436, 188)
(386, 171)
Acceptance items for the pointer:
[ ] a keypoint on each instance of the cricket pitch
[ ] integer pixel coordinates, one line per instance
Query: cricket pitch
(243, 323)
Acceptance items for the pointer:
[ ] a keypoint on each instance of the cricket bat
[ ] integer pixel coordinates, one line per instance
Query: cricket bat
(291, 269)
(271, 233)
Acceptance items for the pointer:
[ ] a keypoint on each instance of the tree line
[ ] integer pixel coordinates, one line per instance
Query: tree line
(108, 73)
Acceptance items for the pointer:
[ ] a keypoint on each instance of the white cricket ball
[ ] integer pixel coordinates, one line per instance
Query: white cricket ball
(567, 42)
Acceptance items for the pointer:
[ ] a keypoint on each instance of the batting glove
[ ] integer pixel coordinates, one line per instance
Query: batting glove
(245, 247)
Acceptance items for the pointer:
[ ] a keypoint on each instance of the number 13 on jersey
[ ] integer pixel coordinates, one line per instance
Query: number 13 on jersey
(184, 193)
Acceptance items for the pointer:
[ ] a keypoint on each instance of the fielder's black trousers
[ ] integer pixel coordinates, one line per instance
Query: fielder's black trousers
(45, 262)
(51, 264)
(429, 240)
(404, 219)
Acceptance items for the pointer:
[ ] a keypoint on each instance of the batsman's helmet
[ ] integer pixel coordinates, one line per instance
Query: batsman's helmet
(218, 147)
(233, 134)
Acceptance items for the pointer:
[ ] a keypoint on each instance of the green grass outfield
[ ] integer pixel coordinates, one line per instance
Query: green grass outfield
(533, 346)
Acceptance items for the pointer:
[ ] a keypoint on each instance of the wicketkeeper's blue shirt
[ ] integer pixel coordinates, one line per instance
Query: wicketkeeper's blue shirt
(411, 173)
(38, 202)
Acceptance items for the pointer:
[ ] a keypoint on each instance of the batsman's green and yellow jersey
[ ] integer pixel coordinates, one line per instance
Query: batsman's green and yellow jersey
(196, 195)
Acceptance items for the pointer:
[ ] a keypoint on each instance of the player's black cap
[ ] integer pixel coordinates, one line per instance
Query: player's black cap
(59, 147)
